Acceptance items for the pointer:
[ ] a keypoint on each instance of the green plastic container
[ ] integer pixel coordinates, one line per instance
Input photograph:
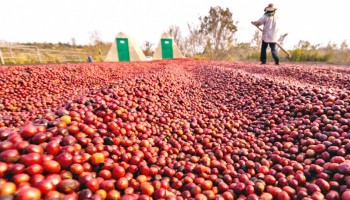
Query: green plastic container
(123, 49)
(167, 48)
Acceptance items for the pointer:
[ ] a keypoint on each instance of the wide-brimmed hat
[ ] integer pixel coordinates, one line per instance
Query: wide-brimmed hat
(270, 8)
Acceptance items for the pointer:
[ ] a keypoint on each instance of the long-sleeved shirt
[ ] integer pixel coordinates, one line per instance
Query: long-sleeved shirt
(270, 27)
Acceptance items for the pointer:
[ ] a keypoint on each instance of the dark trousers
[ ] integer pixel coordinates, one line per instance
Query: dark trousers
(273, 51)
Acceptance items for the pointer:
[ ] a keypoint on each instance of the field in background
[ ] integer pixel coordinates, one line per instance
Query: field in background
(41, 53)
(47, 53)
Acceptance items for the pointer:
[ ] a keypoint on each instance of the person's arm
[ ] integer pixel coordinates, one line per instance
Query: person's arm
(259, 22)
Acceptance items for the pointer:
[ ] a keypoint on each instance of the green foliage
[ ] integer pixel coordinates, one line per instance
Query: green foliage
(319, 55)
(305, 51)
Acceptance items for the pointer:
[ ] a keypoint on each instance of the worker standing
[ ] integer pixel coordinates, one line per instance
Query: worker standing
(269, 33)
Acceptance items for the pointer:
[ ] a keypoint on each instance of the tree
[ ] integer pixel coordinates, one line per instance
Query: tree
(174, 31)
(256, 40)
(331, 46)
(98, 45)
(218, 29)
(147, 48)
(95, 38)
(344, 46)
(306, 45)
(342, 54)
(194, 41)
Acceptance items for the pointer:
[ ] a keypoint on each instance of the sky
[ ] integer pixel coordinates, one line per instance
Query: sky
(317, 21)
